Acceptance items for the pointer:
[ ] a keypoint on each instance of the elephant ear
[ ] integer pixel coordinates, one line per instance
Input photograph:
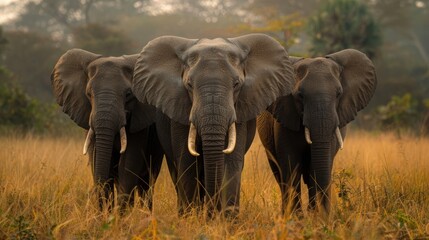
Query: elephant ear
(284, 109)
(69, 81)
(158, 77)
(268, 74)
(358, 79)
(141, 115)
(294, 60)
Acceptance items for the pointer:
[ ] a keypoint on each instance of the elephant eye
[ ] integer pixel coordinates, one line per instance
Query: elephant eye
(88, 92)
(192, 59)
(236, 83)
(299, 95)
(189, 85)
(300, 71)
(129, 95)
(339, 92)
(233, 59)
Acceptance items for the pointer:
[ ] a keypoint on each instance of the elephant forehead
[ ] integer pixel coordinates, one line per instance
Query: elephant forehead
(107, 62)
(318, 64)
(216, 46)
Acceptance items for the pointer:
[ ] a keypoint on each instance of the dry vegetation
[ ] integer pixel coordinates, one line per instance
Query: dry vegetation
(381, 191)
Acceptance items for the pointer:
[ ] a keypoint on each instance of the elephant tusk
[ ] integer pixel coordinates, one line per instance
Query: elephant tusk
(123, 136)
(191, 140)
(232, 133)
(88, 141)
(307, 136)
(339, 138)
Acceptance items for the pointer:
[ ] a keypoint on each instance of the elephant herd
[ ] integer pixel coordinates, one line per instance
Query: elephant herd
(199, 102)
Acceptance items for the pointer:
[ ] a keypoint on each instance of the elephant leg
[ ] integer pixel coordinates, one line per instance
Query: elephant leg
(189, 168)
(234, 163)
(287, 167)
(155, 153)
(134, 170)
(163, 130)
(251, 130)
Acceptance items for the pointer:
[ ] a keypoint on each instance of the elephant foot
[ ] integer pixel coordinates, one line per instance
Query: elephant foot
(231, 213)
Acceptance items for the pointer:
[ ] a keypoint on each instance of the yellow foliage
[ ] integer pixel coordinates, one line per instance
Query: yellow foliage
(45, 186)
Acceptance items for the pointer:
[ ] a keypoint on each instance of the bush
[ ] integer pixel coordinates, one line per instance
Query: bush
(401, 112)
(18, 111)
(341, 24)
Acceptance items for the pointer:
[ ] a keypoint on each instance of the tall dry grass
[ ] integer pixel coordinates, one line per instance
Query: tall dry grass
(381, 190)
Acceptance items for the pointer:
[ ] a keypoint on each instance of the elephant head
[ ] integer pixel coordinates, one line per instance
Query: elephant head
(328, 94)
(95, 91)
(210, 85)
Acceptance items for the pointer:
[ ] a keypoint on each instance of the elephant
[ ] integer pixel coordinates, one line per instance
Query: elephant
(95, 91)
(208, 93)
(302, 132)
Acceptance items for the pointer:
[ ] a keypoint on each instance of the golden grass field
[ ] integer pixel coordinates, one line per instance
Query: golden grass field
(381, 191)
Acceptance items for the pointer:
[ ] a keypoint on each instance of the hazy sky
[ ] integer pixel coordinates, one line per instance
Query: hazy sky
(5, 14)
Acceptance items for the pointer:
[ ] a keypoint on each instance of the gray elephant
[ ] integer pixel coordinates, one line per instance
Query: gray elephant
(302, 132)
(122, 143)
(209, 92)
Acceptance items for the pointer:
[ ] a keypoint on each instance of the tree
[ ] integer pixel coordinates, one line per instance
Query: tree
(31, 56)
(341, 24)
(409, 18)
(17, 109)
(401, 112)
(102, 40)
(59, 17)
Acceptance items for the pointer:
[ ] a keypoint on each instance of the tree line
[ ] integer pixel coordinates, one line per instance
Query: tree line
(391, 32)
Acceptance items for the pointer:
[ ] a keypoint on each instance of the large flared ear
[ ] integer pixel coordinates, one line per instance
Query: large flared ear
(294, 60)
(158, 77)
(69, 79)
(284, 109)
(141, 115)
(358, 79)
(285, 112)
(268, 74)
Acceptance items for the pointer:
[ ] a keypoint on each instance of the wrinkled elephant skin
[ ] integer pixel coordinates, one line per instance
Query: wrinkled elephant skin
(208, 93)
(95, 91)
(302, 132)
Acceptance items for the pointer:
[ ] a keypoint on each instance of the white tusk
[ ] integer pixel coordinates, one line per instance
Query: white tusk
(123, 136)
(88, 141)
(339, 138)
(191, 140)
(307, 136)
(232, 138)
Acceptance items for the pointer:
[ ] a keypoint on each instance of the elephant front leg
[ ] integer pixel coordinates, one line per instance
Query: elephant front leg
(190, 179)
(288, 175)
(234, 163)
(134, 171)
(287, 165)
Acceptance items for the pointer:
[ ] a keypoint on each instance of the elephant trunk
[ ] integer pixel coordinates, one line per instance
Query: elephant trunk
(214, 120)
(213, 128)
(321, 167)
(320, 125)
(104, 139)
(213, 144)
(107, 124)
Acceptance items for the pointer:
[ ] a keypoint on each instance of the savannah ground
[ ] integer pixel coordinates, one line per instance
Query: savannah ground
(381, 191)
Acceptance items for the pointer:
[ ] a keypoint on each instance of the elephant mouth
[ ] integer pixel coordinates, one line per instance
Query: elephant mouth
(337, 134)
(232, 139)
(90, 138)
